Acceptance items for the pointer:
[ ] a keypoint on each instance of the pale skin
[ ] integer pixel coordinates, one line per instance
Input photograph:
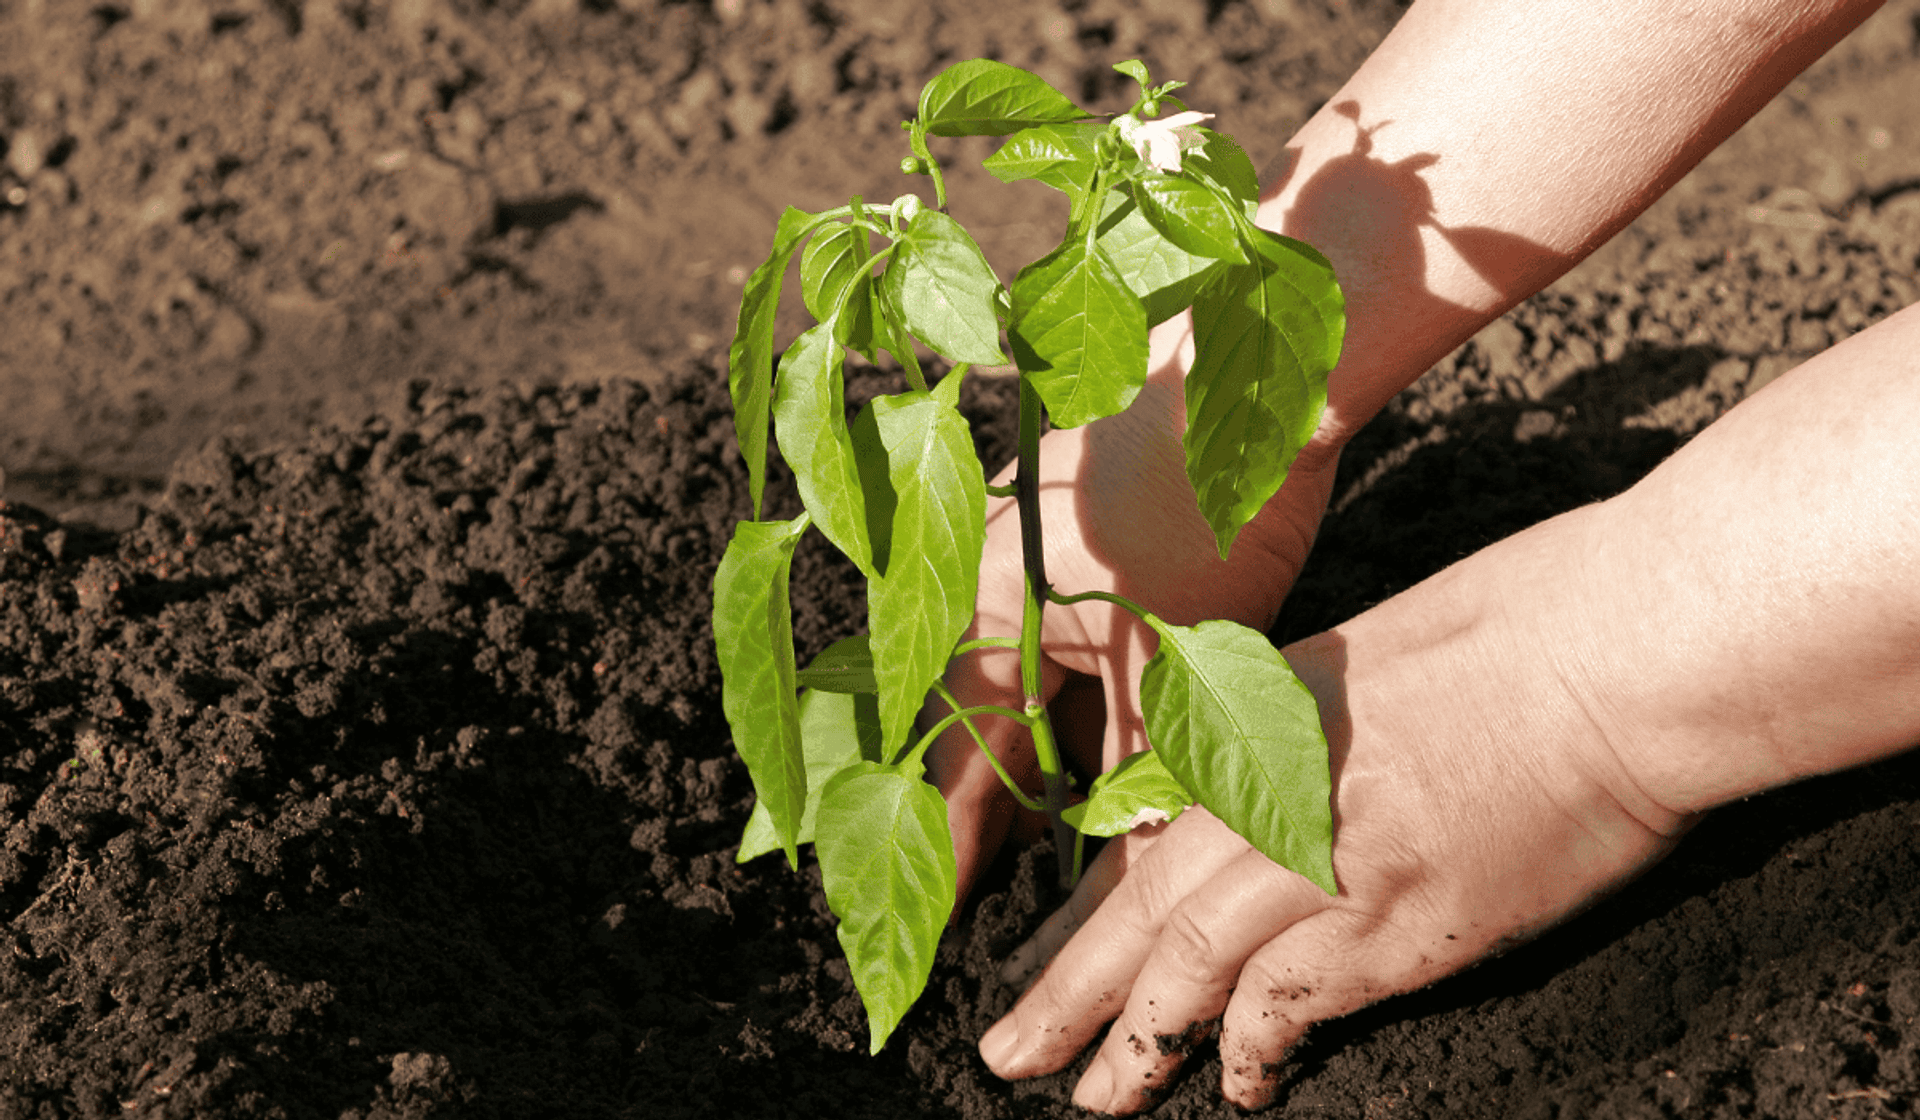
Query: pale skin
(1538, 723)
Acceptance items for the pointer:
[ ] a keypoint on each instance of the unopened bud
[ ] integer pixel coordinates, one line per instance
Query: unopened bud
(907, 207)
(911, 165)
(1150, 107)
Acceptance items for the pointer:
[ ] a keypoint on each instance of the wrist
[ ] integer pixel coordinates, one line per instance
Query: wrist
(1494, 653)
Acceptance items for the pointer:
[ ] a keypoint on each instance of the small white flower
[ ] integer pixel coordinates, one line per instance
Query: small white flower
(1146, 816)
(1162, 142)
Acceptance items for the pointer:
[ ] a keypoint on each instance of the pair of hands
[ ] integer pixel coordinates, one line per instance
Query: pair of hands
(1474, 804)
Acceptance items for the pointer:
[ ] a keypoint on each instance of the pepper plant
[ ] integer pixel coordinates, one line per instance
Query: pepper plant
(1161, 220)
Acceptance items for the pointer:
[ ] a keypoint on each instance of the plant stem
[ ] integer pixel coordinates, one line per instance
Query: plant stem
(1033, 553)
(1103, 596)
(917, 140)
(966, 718)
(985, 643)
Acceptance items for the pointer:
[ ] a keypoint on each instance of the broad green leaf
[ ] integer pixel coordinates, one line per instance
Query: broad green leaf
(750, 358)
(1266, 338)
(809, 414)
(844, 666)
(940, 285)
(923, 600)
(1230, 720)
(836, 729)
(1226, 163)
(1060, 155)
(1079, 335)
(886, 861)
(833, 259)
(753, 632)
(1138, 790)
(981, 97)
(1166, 277)
(1189, 215)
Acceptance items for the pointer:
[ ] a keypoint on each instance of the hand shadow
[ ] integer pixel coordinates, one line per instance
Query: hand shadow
(1382, 215)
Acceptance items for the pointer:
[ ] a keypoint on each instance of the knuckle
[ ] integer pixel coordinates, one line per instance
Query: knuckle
(1191, 947)
(1279, 991)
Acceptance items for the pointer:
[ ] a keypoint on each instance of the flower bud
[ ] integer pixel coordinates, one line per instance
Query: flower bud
(912, 165)
(1150, 107)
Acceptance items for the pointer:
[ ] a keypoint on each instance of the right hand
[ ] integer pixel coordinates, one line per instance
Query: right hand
(1475, 803)
(1119, 516)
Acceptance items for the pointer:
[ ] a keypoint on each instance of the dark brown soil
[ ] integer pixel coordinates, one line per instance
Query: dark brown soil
(368, 459)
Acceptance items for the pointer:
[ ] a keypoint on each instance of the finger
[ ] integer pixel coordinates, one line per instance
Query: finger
(1096, 883)
(1184, 986)
(1089, 980)
(1325, 966)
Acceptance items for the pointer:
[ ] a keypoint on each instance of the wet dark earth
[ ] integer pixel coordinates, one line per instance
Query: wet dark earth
(368, 459)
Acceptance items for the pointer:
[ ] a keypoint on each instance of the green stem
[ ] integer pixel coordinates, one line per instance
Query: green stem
(917, 138)
(966, 717)
(903, 349)
(1027, 497)
(985, 643)
(1121, 601)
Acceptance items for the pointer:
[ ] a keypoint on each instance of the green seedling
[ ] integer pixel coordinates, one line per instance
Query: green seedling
(1161, 220)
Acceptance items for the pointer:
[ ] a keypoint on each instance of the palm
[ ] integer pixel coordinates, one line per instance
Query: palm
(1118, 516)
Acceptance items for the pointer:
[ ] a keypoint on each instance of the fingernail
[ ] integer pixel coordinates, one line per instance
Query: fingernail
(1095, 1091)
(998, 1045)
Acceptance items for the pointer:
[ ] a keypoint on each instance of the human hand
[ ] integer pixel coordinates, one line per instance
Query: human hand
(1121, 517)
(1475, 803)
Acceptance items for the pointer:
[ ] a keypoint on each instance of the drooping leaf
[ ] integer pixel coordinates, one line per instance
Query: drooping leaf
(1137, 790)
(1078, 334)
(753, 633)
(833, 259)
(1166, 277)
(1060, 155)
(1189, 215)
(1266, 337)
(750, 358)
(809, 414)
(836, 729)
(1226, 163)
(918, 608)
(981, 97)
(887, 864)
(844, 666)
(941, 287)
(1233, 724)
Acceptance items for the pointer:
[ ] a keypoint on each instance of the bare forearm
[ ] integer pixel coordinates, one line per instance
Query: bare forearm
(1487, 146)
(1755, 601)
